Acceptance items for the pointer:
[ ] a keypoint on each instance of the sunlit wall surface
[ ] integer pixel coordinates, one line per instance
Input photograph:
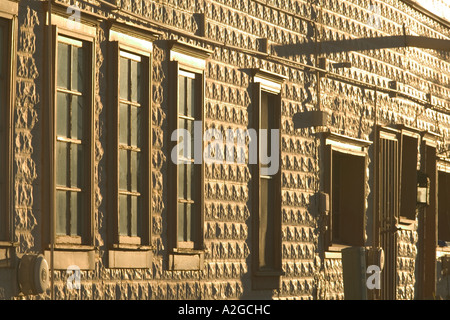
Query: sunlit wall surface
(440, 8)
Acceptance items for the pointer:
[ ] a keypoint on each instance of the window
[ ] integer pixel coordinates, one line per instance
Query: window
(388, 164)
(348, 199)
(408, 177)
(7, 62)
(269, 188)
(428, 219)
(388, 179)
(345, 180)
(131, 140)
(186, 203)
(71, 110)
(68, 126)
(267, 181)
(130, 146)
(188, 177)
(444, 208)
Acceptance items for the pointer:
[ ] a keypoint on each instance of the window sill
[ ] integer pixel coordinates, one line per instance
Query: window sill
(186, 259)
(132, 247)
(269, 273)
(136, 258)
(6, 253)
(71, 255)
(406, 224)
(187, 251)
(443, 249)
(8, 244)
(72, 247)
(335, 251)
(266, 280)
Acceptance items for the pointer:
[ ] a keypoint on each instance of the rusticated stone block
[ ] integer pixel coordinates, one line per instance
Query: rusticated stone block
(24, 219)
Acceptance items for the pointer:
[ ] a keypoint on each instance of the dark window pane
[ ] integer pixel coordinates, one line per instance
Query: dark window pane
(189, 223)
(190, 129)
(190, 181)
(77, 68)
(135, 81)
(63, 73)
(264, 111)
(134, 216)
(443, 206)
(75, 213)
(336, 217)
(123, 215)
(135, 126)
(123, 169)
(124, 84)
(190, 97)
(266, 225)
(181, 181)
(61, 163)
(123, 123)
(183, 152)
(76, 165)
(267, 121)
(62, 111)
(135, 174)
(2, 56)
(181, 221)
(77, 117)
(61, 212)
(182, 95)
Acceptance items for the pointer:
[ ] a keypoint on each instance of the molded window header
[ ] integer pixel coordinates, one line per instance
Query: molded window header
(138, 43)
(269, 81)
(189, 55)
(345, 142)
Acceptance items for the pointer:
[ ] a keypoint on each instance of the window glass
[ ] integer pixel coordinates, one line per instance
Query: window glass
(348, 199)
(2, 52)
(69, 166)
(63, 73)
(130, 143)
(187, 215)
(444, 208)
(267, 187)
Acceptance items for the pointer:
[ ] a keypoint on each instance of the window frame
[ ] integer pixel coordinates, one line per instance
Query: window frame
(347, 146)
(131, 43)
(407, 220)
(428, 219)
(198, 78)
(265, 82)
(9, 20)
(444, 173)
(66, 250)
(191, 59)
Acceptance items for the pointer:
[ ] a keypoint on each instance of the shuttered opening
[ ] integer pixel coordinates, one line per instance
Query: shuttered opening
(388, 207)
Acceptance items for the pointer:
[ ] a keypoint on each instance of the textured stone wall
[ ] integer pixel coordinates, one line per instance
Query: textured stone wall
(406, 258)
(232, 30)
(26, 144)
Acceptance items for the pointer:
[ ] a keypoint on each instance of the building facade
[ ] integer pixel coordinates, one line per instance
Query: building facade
(223, 149)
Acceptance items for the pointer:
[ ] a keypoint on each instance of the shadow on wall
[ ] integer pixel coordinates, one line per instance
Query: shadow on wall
(363, 44)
